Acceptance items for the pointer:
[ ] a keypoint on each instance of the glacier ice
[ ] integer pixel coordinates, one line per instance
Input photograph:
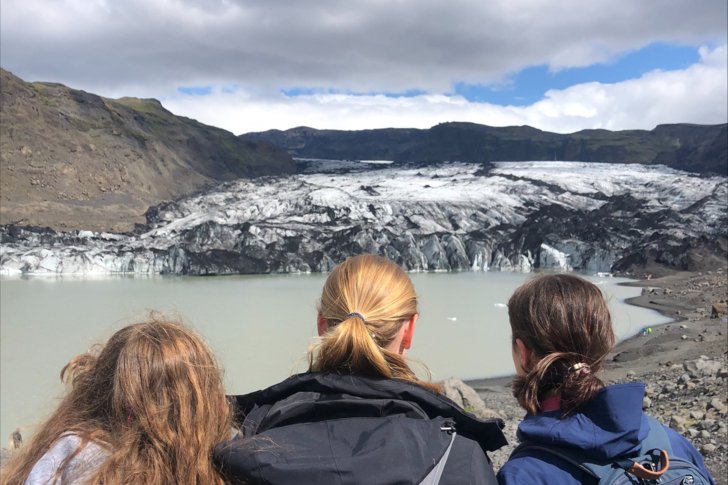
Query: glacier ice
(518, 217)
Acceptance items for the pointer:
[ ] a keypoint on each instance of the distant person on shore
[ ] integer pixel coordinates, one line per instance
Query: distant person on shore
(576, 428)
(148, 409)
(360, 415)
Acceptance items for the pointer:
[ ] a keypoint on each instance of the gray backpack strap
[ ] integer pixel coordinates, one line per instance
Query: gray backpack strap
(433, 478)
(657, 437)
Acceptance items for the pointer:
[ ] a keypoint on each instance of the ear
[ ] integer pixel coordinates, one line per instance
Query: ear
(409, 331)
(525, 355)
(321, 324)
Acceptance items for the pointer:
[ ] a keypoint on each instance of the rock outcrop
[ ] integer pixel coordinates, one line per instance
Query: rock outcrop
(467, 398)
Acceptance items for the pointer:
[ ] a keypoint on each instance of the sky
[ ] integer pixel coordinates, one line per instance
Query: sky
(246, 65)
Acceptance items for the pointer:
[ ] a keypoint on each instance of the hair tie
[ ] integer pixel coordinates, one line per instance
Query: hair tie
(580, 368)
(357, 315)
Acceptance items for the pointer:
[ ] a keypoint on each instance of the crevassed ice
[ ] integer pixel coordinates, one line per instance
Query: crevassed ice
(388, 207)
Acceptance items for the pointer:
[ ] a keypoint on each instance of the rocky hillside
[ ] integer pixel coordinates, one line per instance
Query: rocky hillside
(693, 148)
(71, 159)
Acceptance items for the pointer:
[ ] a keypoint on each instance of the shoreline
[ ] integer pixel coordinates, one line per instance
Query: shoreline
(692, 403)
(668, 306)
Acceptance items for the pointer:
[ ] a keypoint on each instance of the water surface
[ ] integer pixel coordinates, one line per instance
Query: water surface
(259, 326)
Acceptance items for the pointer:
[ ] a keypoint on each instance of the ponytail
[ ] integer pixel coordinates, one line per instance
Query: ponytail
(365, 301)
(579, 387)
(348, 347)
(560, 372)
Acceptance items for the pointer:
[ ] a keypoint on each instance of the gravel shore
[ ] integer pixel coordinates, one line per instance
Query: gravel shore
(684, 365)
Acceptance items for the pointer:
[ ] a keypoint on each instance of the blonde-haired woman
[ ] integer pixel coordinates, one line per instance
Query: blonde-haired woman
(148, 409)
(360, 415)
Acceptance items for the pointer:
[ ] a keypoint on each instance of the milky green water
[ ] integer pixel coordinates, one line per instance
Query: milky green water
(259, 326)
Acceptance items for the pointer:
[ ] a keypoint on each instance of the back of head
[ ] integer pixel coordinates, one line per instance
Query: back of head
(153, 396)
(564, 321)
(365, 301)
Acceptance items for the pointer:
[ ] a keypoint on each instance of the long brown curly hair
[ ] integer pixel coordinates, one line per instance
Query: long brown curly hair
(153, 398)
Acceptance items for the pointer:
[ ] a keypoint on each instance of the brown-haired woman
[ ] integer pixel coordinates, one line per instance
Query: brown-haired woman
(360, 415)
(148, 409)
(561, 335)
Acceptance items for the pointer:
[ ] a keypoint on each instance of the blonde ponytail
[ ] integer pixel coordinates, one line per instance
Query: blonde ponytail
(365, 301)
(349, 347)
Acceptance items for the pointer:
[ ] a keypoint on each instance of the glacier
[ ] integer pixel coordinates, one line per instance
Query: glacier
(517, 216)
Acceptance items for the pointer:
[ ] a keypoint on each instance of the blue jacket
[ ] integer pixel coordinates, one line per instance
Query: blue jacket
(610, 426)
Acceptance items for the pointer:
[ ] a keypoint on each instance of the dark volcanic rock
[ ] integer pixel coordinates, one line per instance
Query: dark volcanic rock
(694, 148)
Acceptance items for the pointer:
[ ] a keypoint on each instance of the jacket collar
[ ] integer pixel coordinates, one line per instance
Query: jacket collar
(396, 396)
(612, 424)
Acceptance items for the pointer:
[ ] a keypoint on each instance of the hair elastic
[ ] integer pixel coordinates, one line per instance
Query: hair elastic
(357, 315)
(580, 368)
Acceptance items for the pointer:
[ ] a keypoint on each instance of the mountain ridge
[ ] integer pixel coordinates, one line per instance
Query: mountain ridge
(689, 147)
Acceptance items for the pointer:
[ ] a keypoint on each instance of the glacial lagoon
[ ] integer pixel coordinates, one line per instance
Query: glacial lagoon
(259, 326)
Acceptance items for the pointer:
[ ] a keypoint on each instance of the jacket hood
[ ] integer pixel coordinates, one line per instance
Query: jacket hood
(611, 425)
(321, 396)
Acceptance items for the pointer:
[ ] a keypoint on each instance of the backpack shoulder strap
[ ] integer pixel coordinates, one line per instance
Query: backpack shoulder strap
(433, 478)
(570, 458)
(657, 438)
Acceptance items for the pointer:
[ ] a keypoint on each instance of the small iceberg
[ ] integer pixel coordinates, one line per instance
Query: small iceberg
(453, 319)
(500, 305)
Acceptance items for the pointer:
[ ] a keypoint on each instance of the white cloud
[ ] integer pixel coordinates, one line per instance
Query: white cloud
(697, 94)
(142, 47)
(149, 48)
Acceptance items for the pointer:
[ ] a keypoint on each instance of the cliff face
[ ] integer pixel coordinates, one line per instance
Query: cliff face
(71, 159)
(694, 148)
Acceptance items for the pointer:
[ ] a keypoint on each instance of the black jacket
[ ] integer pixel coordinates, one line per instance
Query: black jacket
(320, 428)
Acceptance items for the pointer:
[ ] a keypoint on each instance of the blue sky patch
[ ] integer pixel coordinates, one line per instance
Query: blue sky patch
(229, 88)
(195, 90)
(530, 84)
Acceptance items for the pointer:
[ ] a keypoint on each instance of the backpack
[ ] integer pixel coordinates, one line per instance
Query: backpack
(654, 464)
